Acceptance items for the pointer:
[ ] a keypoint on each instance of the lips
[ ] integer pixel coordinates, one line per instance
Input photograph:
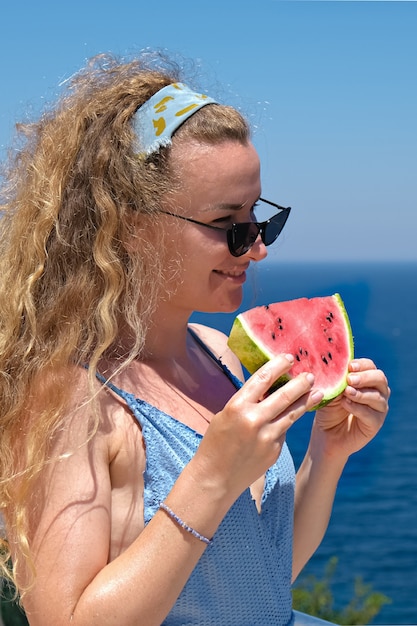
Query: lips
(237, 276)
(234, 274)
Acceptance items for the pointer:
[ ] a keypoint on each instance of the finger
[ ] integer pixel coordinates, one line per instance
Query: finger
(293, 399)
(372, 379)
(367, 420)
(370, 397)
(360, 365)
(365, 415)
(288, 402)
(266, 376)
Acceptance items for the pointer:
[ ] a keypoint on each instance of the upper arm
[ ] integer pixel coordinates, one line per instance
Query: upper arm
(72, 516)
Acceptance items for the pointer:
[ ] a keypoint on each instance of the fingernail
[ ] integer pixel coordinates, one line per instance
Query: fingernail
(353, 379)
(354, 366)
(289, 358)
(317, 396)
(310, 378)
(351, 391)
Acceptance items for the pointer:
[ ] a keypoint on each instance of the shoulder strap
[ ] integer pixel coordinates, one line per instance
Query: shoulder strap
(120, 392)
(236, 382)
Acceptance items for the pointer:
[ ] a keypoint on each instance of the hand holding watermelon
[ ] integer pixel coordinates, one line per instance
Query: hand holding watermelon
(317, 332)
(254, 425)
(350, 421)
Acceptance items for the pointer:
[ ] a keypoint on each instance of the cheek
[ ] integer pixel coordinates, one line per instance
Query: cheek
(193, 258)
(203, 250)
(183, 268)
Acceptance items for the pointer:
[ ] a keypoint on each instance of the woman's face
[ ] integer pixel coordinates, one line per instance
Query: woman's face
(219, 185)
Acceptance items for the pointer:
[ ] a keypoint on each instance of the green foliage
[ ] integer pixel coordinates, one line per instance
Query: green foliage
(11, 613)
(314, 597)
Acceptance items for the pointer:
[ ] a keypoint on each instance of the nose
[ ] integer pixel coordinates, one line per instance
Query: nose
(258, 252)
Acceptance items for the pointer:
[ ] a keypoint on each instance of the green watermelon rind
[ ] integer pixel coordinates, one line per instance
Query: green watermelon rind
(252, 356)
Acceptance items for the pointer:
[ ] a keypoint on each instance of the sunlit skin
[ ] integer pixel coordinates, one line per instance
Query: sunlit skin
(121, 572)
(211, 278)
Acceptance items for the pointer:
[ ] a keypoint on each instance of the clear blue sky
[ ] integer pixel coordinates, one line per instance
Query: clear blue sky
(331, 88)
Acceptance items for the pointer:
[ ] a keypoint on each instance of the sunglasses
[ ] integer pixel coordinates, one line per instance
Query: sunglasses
(242, 236)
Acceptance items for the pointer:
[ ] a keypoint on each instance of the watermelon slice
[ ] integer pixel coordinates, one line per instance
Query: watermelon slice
(316, 331)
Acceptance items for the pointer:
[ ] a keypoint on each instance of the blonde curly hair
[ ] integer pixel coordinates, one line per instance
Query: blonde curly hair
(74, 194)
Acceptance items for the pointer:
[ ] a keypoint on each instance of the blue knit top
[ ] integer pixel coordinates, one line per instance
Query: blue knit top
(244, 577)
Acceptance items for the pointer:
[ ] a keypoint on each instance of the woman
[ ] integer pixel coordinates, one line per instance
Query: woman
(142, 482)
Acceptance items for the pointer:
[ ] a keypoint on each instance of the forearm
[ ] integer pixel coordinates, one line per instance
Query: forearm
(316, 485)
(142, 585)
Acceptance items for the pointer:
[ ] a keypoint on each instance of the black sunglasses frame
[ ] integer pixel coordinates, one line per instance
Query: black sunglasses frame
(241, 236)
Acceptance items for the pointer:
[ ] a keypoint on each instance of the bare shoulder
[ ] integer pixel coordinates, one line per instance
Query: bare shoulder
(117, 431)
(217, 342)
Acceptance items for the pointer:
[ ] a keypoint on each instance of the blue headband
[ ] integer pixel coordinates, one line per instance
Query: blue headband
(160, 116)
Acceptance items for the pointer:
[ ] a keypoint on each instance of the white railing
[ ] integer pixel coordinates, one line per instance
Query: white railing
(301, 619)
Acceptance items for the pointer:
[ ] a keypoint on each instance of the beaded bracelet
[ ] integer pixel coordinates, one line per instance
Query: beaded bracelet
(183, 525)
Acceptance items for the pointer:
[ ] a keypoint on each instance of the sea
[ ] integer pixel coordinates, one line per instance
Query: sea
(373, 528)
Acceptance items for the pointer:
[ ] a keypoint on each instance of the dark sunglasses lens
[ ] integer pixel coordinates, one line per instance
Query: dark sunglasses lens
(241, 237)
(273, 227)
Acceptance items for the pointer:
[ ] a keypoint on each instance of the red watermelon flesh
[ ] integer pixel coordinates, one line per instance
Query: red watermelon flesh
(315, 331)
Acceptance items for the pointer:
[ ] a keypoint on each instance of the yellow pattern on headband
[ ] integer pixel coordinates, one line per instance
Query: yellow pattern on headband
(160, 116)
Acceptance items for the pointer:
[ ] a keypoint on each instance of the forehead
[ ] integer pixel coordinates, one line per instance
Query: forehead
(229, 169)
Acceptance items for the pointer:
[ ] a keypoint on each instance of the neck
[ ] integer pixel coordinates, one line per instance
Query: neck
(167, 337)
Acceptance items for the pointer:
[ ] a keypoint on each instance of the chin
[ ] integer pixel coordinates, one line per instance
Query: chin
(218, 303)
(226, 307)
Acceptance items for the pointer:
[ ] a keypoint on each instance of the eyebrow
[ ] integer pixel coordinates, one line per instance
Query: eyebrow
(228, 207)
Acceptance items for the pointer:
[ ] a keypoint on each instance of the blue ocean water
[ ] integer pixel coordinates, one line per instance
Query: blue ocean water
(373, 530)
